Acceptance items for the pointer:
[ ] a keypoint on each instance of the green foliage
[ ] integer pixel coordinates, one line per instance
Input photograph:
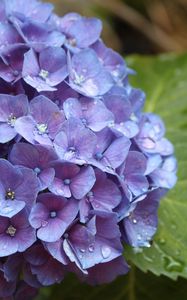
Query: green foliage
(164, 81)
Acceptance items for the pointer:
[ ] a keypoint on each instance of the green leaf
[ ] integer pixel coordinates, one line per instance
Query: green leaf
(164, 79)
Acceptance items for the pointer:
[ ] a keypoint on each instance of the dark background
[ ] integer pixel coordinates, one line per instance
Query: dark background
(136, 26)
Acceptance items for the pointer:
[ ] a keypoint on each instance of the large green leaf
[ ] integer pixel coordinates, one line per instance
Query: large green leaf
(164, 79)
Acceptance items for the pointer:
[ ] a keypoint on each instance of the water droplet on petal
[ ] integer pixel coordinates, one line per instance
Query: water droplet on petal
(66, 235)
(134, 221)
(82, 250)
(91, 248)
(106, 251)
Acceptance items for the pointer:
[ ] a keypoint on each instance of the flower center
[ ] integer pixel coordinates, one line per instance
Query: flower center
(72, 42)
(53, 214)
(10, 195)
(37, 170)
(43, 74)
(42, 128)
(67, 181)
(71, 149)
(79, 79)
(11, 120)
(84, 121)
(11, 231)
(99, 155)
(90, 195)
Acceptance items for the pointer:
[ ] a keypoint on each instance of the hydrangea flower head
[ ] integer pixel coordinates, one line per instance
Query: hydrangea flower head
(82, 167)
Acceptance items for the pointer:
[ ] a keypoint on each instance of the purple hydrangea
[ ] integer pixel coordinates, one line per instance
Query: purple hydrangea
(83, 168)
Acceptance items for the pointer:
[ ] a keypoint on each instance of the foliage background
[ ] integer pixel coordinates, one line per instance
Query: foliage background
(147, 27)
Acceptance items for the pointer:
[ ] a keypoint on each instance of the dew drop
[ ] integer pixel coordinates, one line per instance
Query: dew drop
(134, 221)
(96, 205)
(147, 258)
(172, 265)
(82, 250)
(162, 241)
(37, 170)
(106, 251)
(91, 248)
(66, 235)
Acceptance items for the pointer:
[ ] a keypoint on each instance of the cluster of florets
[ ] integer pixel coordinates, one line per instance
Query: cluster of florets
(82, 168)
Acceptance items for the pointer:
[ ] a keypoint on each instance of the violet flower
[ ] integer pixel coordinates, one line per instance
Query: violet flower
(16, 234)
(11, 108)
(81, 32)
(51, 215)
(92, 113)
(43, 123)
(68, 143)
(45, 70)
(18, 189)
(71, 180)
(87, 76)
(38, 158)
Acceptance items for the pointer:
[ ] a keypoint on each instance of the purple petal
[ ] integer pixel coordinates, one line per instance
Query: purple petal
(83, 182)
(52, 230)
(7, 133)
(164, 179)
(72, 108)
(9, 208)
(8, 245)
(25, 126)
(96, 114)
(30, 69)
(38, 216)
(57, 252)
(22, 192)
(71, 137)
(85, 31)
(141, 225)
(26, 238)
(46, 177)
(107, 272)
(117, 152)
(7, 287)
(136, 163)
(106, 195)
